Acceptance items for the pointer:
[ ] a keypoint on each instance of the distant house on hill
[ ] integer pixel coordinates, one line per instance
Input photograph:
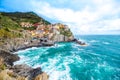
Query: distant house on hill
(40, 27)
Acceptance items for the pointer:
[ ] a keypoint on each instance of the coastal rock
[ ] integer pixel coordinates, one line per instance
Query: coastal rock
(42, 76)
(62, 33)
(79, 42)
(22, 69)
(46, 42)
(5, 76)
(26, 71)
(9, 75)
(8, 57)
(35, 72)
(62, 38)
(17, 72)
(1, 60)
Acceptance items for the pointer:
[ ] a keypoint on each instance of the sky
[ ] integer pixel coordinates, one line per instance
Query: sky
(82, 16)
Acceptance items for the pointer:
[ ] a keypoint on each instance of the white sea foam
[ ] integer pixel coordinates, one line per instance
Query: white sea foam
(36, 65)
(23, 59)
(82, 40)
(93, 41)
(60, 45)
(25, 50)
(58, 70)
(92, 78)
(56, 74)
(105, 42)
(105, 66)
(95, 54)
(21, 51)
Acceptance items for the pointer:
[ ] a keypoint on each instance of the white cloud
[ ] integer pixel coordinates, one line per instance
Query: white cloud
(89, 20)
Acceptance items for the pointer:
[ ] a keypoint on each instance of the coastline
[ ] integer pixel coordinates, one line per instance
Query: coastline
(23, 68)
(20, 71)
(48, 66)
(48, 45)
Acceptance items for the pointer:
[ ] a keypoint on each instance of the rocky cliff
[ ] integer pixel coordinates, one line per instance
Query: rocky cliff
(62, 33)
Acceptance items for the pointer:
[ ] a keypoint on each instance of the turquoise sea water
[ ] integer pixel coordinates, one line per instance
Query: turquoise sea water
(100, 60)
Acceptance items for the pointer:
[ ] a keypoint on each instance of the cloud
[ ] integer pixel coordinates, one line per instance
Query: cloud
(90, 20)
(83, 16)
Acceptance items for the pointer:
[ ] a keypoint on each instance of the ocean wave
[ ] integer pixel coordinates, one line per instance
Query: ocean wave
(59, 72)
(105, 42)
(59, 45)
(25, 50)
(83, 40)
(22, 61)
(58, 65)
(93, 41)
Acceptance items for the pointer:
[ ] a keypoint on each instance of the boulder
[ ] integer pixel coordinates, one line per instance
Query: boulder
(35, 72)
(22, 70)
(26, 71)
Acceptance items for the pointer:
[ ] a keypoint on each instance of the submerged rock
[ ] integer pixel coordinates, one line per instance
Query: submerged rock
(79, 42)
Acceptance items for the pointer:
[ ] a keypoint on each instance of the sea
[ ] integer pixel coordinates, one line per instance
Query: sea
(98, 60)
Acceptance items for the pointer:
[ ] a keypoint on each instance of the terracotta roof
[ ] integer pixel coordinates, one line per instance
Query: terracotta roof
(36, 24)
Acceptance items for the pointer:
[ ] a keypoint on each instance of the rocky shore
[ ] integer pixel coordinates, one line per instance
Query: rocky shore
(9, 71)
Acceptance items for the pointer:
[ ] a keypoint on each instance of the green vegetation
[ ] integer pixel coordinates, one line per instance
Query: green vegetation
(67, 33)
(8, 23)
(2, 67)
(5, 33)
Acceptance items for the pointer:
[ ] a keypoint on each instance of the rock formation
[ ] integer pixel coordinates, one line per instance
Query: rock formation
(8, 71)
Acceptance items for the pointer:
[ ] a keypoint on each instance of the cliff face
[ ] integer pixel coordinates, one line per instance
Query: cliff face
(62, 33)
